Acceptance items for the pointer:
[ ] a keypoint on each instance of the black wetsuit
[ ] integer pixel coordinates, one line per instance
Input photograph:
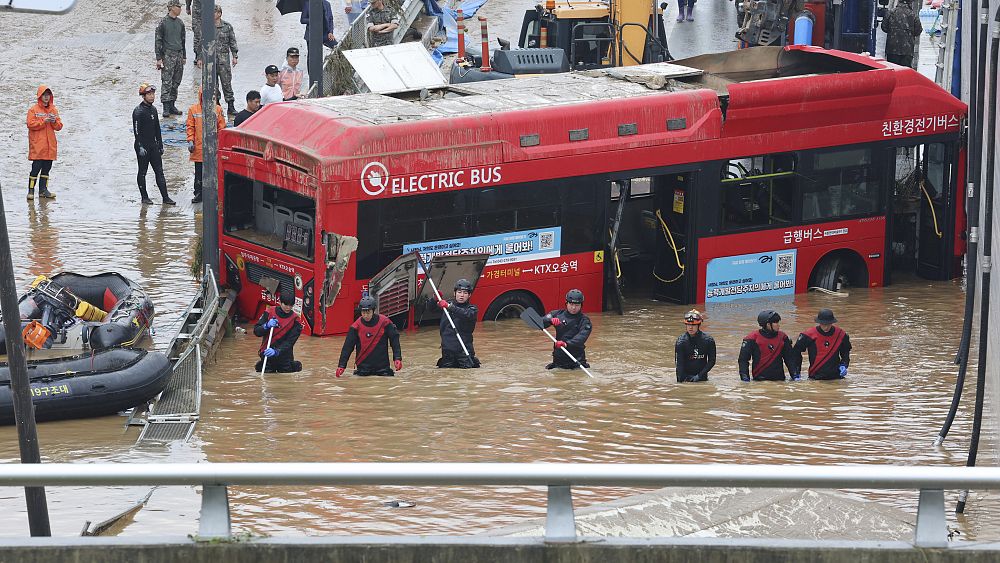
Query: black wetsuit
(370, 342)
(284, 361)
(452, 356)
(767, 349)
(834, 351)
(574, 331)
(694, 356)
(146, 129)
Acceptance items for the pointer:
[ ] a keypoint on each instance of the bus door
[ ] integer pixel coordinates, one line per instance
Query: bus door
(670, 215)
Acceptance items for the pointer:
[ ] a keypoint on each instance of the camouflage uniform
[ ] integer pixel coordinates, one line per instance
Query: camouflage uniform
(377, 17)
(225, 42)
(169, 48)
(902, 27)
(194, 6)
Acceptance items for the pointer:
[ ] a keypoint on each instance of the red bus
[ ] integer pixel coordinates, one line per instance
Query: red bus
(759, 172)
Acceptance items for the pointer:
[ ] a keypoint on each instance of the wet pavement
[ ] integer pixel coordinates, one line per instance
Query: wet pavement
(888, 411)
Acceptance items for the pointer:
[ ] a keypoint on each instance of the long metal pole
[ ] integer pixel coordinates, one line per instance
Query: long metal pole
(317, 17)
(210, 140)
(24, 411)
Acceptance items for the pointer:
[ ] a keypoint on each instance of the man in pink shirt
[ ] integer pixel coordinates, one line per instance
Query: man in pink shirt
(290, 78)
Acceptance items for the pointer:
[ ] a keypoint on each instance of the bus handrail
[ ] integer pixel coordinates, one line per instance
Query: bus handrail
(931, 481)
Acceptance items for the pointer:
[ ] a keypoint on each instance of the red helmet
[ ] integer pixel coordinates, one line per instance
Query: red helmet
(144, 88)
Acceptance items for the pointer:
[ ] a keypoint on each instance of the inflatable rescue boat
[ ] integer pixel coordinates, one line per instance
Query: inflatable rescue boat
(96, 384)
(73, 312)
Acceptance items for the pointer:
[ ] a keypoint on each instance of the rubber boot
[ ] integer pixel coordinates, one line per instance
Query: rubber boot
(145, 196)
(43, 188)
(691, 12)
(173, 106)
(680, 14)
(231, 110)
(197, 196)
(31, 187)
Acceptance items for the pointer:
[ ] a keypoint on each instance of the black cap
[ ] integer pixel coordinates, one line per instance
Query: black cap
(825, 317)
(271, 69)
(292, 51)
(287, 297)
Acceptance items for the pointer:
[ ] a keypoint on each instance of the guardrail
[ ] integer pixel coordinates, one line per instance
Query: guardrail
(560, 525)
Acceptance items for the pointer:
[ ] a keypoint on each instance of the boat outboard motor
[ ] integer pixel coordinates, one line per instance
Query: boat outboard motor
(58, 305)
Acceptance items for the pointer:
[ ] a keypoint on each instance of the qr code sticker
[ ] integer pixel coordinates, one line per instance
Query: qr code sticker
(546, 240)
(785, 265)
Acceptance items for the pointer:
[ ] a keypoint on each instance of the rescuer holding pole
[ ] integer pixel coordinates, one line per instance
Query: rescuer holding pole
(766, 349)
(694, 352)
(829, 348)
(572, 331)
(279, 329)
(369, 339)
(464, 315)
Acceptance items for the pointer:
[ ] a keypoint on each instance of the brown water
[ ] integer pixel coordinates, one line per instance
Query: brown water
(512, 410)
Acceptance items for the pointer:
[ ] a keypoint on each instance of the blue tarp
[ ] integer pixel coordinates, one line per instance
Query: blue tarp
(448, 17)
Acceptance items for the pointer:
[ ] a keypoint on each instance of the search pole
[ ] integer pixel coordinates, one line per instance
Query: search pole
(24, 411)
(317, 22)
(210, 140)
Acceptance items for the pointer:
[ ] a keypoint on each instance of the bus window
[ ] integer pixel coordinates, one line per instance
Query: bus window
(844, 183)
(758, 191)
(269, 216)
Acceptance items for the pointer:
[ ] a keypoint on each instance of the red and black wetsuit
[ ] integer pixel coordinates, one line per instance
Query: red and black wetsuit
(827, 351)
(370, 343)
(285, 335)
(767, 349)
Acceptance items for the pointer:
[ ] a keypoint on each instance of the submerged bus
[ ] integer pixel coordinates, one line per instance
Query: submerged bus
(760, 172)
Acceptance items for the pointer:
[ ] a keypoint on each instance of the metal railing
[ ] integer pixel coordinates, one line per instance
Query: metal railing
(560, 525)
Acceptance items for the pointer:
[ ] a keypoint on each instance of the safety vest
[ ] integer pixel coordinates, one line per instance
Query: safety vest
(826, 347)
(369, 336)
(770, 349)
(285, 324)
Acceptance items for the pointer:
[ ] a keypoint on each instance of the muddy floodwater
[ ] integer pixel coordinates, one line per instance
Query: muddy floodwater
(888, 411)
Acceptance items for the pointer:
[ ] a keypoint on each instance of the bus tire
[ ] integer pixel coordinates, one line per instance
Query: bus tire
(510, 305)
(839, 270)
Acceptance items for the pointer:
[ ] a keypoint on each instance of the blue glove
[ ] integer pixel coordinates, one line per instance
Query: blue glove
(843, 370)
(796, 377)
(272, 323)
(745, 377)
(270, 352)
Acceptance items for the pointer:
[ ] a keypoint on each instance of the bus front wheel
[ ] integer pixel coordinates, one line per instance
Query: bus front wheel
(839, 270)
(510, 305)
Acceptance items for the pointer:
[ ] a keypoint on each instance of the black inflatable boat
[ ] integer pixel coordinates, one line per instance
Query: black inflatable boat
(73, 313)
(96, 384)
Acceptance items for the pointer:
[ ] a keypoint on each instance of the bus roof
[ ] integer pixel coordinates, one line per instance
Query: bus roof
(738, 94)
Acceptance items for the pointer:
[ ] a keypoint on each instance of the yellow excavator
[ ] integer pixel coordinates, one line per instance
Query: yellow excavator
(562, 35)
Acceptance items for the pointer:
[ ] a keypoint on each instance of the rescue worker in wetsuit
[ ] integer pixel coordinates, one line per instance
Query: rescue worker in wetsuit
(694, 352)
(369, 338)
(464, 315)
(766, 349)
(285, 324)
(149, 144)
(572, 330)
(829, 348)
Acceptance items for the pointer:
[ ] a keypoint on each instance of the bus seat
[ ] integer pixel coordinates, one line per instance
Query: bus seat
(263, 217)
(303, 219)
(282, 215)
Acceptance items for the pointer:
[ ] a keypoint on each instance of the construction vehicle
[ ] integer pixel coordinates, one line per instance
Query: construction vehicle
(848, 25)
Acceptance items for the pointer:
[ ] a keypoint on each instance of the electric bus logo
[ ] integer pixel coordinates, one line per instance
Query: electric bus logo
(374, 178)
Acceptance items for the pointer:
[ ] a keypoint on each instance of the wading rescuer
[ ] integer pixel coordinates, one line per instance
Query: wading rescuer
(149, 144)
(694, 352)
(285, 323)
(829, 348)
(572, 330)
(767, 348)
(464, 315)
(369, 338)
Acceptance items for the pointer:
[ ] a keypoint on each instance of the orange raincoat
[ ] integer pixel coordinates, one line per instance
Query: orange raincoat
(41, 133)
(194, 125)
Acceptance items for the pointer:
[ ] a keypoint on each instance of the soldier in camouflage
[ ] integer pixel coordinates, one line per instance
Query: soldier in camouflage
(902, 27)
(170, 57)
(225, 43)
(194, 10)
(382, 21)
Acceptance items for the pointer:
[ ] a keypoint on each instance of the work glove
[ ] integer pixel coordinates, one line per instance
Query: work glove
(398, 364)
(161, 151)
(796, 377)
(692, 379)
(340, 372)
(190, 146)
(142, 152)
(271, 323)
(556, 321)
(443, 304)
(744, 377)
(560, 344)
(270, 352)
(843, 370)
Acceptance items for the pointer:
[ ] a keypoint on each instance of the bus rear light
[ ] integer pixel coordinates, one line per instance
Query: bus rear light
(307, 303)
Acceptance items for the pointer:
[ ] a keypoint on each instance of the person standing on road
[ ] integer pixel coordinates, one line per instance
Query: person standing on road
(225, 43)
(329, 39)
(291, 77)
(195, 127)
(464, 315)
(270, 92)
(902, 27)
(382, 21)
(689, 4)
(149, 144)
(765, 349)
(694, 352)
(194, 10)
(353, 9)
(170, 56)
(284, 323)
(369, 339)
(572, 331)
(253, 104)
(43, 121)
(829, 348)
